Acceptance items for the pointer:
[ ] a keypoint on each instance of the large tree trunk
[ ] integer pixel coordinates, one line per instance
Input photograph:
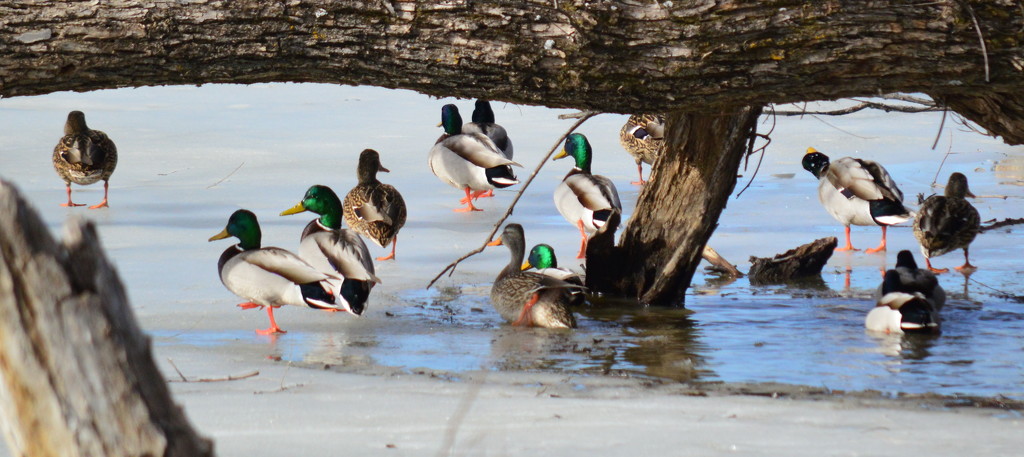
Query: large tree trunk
(678, 209)
(77, 377)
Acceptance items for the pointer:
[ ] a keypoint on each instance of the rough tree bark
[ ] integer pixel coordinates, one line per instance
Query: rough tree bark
(678, 209)
(77, 376)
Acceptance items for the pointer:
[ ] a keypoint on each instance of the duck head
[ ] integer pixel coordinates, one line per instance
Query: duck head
(541, 256)
(242, 225)
(369, 165)
(451, 120)
(577, 146)
(957, 187)
(815, 162)
(906, 260)
(320, 200)
(482, 112)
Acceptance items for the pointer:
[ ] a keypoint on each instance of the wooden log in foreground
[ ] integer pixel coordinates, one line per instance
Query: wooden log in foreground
(801, 262)
(77, 376)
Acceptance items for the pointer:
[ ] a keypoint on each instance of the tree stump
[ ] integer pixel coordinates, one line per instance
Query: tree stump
(802, 262)
(77, 376)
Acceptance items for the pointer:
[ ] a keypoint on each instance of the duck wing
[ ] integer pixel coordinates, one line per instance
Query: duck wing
(865, 179)
(593, 192)
(477, 149)
(282, 263)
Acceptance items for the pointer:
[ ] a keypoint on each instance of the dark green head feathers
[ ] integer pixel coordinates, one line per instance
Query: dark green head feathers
(577, 146)
(242, 225)
(542, 256)
(320, 200)
(451, 120)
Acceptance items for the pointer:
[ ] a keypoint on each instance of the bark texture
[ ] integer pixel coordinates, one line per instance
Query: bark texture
(77, 377)
(801, 262)
(678, 210)
(611, 56)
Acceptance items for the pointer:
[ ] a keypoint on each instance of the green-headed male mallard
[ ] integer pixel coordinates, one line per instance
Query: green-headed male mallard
(271, 277)
(373, 208)
(857, 192)
(84, 156)
(483, 122)
(584, 199)
(542, 257)
(947, 222)
(643, 137)
(334, 250)
(527, 298)
(908, 300)
(468, 161)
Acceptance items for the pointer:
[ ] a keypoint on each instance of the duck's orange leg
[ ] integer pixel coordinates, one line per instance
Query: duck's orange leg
(103, 204)
(928, 263)
(394, 243)
(273, 325)
(849, 246)
(249, 305)
(484, 194)
(640, 171)
(70, 203)
(583, 240)
(881, 247)
(525, 318)
(469, 204)
(967, 264)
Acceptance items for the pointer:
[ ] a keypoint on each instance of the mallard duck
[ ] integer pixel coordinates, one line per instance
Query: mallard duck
(857, 192)
(527, 298)
(947, 222)
(271, 277)
(331, 249)
(584, 199)
(468, 161)
(908, 300)
(542, 257)
(483, 122)
(643, 137)
(84, 156)
(373, 208)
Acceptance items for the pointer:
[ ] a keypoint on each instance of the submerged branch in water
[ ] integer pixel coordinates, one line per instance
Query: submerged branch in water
(450, 269)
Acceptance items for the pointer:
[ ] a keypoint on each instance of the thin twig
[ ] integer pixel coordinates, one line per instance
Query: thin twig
(763, 149)
(245, 375)
(1005, 295)
(183, 379)
(981, 38)
(1002, 223)
(584, 116)
(226, 177)
(948, 152)
(942, 124)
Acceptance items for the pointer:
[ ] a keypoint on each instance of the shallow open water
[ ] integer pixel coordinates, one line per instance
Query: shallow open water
(190, 156)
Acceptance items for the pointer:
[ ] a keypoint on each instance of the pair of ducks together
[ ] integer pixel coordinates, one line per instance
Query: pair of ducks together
(477, 158)
(333, 270)
(861, 192)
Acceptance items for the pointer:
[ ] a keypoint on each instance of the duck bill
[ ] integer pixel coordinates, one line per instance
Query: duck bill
(496, 242)
(561, 154)
(526, 266)
(381, 168)
(220, 236)
(811, 150)
(298, 208)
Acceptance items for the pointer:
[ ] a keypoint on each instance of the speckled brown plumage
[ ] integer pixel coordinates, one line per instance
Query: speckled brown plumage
(947, 222)
(84, 156)
(372, 208)
(514, 289)
(643, 137)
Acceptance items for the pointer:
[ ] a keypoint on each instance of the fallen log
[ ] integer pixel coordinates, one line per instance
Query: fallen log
(801, 262)
(77, 376)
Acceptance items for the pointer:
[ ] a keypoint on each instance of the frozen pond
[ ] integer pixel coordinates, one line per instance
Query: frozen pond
(189, 156)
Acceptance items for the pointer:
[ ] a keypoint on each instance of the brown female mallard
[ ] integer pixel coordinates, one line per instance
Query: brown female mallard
(947, 222)
(527, 298)
(84, 156)
(643, 137)
(373, 208)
